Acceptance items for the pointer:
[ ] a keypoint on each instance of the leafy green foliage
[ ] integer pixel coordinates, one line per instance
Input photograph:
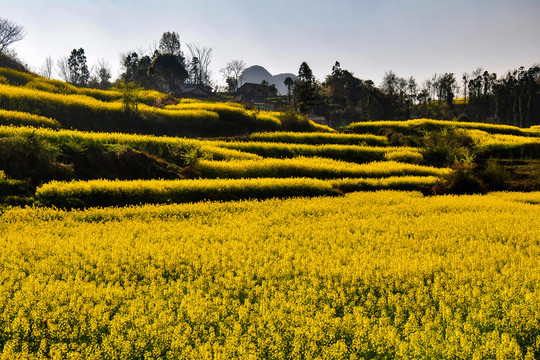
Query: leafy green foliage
(29, 157)
(78, 69)
(448, 146)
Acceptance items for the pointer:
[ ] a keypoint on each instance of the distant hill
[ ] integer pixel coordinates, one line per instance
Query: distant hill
(256, 74)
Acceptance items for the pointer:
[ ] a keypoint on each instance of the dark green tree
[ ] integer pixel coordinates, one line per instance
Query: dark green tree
(78, 69)
(232, 84)
(305, 88)
(343, 88)
(447, 83)
(335, 85)
(389, 84)
(289, 82)
(130, 63)
(169, 72)
(136, 70)
(395, 89)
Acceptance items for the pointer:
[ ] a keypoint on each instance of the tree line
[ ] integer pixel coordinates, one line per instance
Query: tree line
(512, 99)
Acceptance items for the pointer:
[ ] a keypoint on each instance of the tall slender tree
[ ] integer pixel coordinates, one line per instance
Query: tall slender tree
(305, 88)
(203, 57)
(289, 82)
(78, 69)
(46, 69)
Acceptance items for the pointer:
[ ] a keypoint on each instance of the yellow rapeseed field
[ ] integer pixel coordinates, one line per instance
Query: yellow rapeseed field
(486, 141)
(311, 167)
(354, 153)
(91, 193)
(430, 124)
(154, 144)
(8, 117)
(319, 138)
(387, 275)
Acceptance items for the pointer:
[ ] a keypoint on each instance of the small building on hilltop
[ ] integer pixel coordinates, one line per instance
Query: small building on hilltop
(255, 95)
(321, 120)
(196, 91)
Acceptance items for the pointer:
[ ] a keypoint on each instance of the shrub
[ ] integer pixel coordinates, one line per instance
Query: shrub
(462, 180)
(292, 121)
(23, 157)
(445, 147)
(494, 175)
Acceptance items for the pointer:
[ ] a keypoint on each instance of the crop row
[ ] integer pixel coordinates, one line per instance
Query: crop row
(19, 118)
(94, 109)
(418, 126)
(35, 82)
(86, 113)
(388, 275)
(352, 153)
(318, 138)
(314, 167)
(165, 147)
(94, 193)
(486, 142)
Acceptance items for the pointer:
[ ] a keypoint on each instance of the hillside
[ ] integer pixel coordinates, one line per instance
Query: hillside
(139, 243)
(53, 131)
(108, 110)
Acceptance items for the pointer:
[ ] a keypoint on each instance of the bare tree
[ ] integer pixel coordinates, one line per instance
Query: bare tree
(465, 77)
(46, 69)
(62, 68)
(170, 44)
(9, 33)
(101, 75)
(234, 69)
(201, 56)
(412, 87)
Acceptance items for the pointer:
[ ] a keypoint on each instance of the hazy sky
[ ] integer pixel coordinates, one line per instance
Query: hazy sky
(368, 37)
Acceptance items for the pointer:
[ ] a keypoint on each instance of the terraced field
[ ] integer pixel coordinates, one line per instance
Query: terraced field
(143, 243)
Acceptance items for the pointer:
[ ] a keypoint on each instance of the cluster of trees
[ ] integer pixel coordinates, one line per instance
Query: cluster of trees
(513, 99)
(343, 98)
(167, 68)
